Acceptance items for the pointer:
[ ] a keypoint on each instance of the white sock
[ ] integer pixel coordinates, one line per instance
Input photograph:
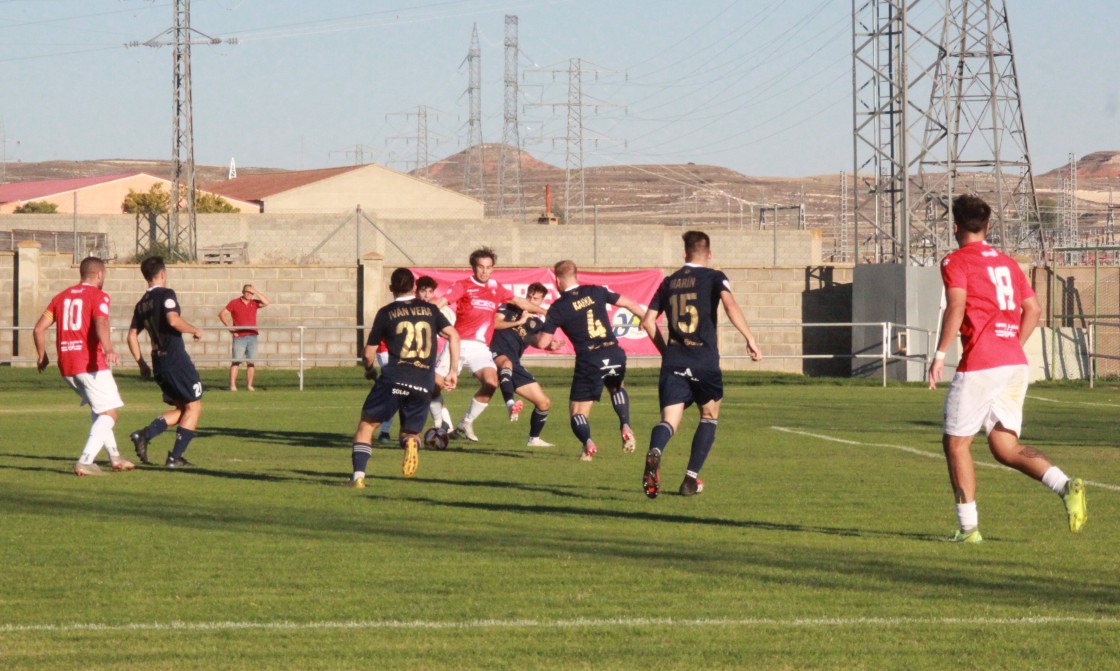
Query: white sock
(1055, 479)
(103, 427)
(967, 516)
(437, 410)
(475, 410)
(446, 416)
(358, 474)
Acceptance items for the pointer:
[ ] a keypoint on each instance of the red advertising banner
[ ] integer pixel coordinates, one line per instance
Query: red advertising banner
(639, 285)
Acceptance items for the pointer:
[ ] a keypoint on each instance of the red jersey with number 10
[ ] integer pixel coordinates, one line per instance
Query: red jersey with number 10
(996, 288)
(475, 305)
(73, 310)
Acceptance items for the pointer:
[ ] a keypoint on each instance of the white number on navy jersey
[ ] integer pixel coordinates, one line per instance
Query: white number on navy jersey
(1005, 292)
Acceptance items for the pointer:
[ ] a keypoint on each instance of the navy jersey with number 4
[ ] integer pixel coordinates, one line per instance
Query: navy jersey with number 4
(582, 313)
(409, 329)
(151, 315)
(513, 341)
(690, 300)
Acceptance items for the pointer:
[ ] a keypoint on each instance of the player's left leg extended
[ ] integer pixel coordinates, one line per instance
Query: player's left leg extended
(1007, 450)
(533, 393)
(620, 401)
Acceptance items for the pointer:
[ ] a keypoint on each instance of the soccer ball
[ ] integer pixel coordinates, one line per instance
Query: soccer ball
(436, 438)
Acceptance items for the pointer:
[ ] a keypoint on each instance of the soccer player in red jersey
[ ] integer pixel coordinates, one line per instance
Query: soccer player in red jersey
(992, 306)
(81, 316)
(476, 300)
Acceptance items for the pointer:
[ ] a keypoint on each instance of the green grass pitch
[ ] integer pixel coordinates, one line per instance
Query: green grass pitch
(816, 545)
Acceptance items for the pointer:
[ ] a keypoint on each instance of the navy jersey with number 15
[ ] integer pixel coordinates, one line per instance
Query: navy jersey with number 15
(690, 300)
(409, 329)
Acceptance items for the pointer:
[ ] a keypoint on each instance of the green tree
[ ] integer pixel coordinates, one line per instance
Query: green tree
(36, 207)
(154, 201)
(208, 203)
(157, 201)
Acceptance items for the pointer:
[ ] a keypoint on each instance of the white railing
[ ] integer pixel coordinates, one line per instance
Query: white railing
(891, 334)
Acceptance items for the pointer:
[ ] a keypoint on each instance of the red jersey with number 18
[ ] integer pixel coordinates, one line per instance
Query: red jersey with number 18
(475, 305)
(73, 310)
(996, 288)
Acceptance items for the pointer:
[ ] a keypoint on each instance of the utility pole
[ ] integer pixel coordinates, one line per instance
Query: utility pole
(473, 183)
(510, 195)
(181, 237)
(577, 134)
(910, 149)
(232, 168)
(423, 137)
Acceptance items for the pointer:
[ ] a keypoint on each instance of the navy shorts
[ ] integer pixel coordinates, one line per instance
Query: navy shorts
(179, 381)
(679, 384)
(605, 366)
(521, 376)
(389, 398)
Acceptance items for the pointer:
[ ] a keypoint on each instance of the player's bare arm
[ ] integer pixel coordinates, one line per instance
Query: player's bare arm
(182, 326)
(553, 342)
(452, 377)
(528, 306)
(104, 333)
(500, 322)
(950, 326)
(1032, 311)
(739, 320)
(649, 325)
(133, 340)
(40, 336)
(631, 305)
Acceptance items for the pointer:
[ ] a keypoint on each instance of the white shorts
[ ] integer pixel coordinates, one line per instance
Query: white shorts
(474, 354)
(97, 390)
(983, 398)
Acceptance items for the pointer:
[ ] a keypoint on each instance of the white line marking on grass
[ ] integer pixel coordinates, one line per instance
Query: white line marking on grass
(285, 625)
(1090, 403)
(914, 450)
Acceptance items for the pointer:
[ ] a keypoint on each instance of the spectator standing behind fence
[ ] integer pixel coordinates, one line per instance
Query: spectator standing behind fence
(238, 314)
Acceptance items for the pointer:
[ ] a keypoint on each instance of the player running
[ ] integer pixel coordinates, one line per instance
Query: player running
(690, 371)
(426, 286)
(408, 326)
(514, 330)
(158, 314)
(84, 350)
(475, 300)
(581, 311)
(991, 304)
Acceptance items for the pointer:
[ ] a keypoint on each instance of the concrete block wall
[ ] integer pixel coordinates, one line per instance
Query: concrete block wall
(342, 238)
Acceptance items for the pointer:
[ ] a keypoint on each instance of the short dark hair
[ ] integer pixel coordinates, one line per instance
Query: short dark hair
(401, 281)
(696, 242)
(971, 213)
(152, 266)
(483, 253)
(426, 282)
(90, 266)
(565, 268)
(536, 288)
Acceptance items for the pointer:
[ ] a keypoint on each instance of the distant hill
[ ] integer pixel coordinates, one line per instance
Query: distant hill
(31, 172)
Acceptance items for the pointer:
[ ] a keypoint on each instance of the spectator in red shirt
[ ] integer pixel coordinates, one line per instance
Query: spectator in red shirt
(240, 315)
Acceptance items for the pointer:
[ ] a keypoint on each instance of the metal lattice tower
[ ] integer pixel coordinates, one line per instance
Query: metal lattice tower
(232, 168)
(473, 182)
(423, 137)
(933, 103)
(510, 188)
(1069, 233)
(1109, 237)
(181, 238)
(843, 237)
(574, 179)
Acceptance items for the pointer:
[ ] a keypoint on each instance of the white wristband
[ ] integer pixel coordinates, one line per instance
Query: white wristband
(939, 355)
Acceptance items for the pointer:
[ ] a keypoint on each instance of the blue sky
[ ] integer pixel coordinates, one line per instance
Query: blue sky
(763, 87)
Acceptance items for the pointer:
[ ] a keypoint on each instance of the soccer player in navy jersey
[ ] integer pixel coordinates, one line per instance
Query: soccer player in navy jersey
(992, 305)
(690, 371)
(157, 313)
(408, 326)
(581, 311)
(514, 330)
